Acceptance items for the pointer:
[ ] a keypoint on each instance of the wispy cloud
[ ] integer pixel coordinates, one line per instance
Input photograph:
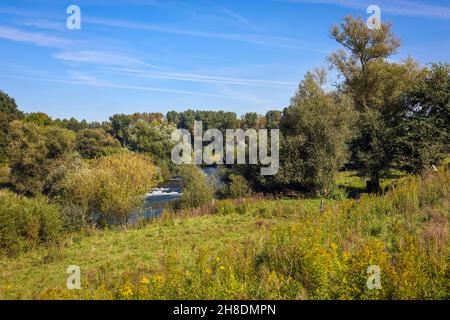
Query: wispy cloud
(204, 78)
(396, 7)
(274, 41)
(99, 58)
(81, 79)
(41, 24)
(36, 38)
(46, 21)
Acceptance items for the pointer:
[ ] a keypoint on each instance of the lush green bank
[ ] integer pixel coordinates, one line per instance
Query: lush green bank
(259, 249)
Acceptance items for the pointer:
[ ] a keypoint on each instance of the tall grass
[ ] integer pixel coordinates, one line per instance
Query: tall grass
(317, 256)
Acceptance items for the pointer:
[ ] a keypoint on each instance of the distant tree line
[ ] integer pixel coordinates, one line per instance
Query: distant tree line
(378, 116)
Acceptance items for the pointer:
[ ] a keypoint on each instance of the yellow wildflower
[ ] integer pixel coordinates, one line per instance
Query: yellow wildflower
(145, 280)
(127, 291)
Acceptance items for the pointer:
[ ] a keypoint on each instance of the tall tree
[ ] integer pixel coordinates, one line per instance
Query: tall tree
(422, 136)
(121, 128)
(8, 113)
(376, 87)
(315, 127)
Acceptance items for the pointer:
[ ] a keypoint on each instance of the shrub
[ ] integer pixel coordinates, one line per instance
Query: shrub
(237, 187)
(95, 143)
(197, 189)
(111, 189)
(25, 222)
(35, 152)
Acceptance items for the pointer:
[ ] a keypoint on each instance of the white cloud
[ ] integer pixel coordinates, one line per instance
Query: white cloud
(274, 41)
(396, 7)
(81, 79)
(98, 57)
(204, 78)
(35, 38)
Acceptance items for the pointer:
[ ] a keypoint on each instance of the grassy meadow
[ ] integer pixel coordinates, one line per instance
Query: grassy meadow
(258, 249)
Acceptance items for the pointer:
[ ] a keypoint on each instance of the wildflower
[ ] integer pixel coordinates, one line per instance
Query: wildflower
(145, 280)
(127, 291)
(208, 270)
(221, 268)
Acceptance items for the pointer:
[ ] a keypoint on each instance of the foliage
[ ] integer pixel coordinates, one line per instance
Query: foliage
(236, 187)
(35, 152)
(273, 118)
(315, 127)
(423, 134)
(152, 138)
(376, 87)
(8, 113)
(95, 143)
(278, 250)
(197, 189)
(71, 124)
(111, 190)
(25, 223)
(121, 128)
(38, 118)
(211, 119)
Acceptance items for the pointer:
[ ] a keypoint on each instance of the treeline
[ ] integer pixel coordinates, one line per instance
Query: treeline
(380, 116)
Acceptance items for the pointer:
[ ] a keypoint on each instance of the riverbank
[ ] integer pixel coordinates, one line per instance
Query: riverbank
(246, 249)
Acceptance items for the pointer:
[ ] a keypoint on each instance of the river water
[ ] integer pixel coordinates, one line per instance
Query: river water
(170, 191)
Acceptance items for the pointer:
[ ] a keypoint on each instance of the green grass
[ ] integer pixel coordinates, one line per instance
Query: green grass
(4, 175)
(115, 252)
(355, 185)
(267, 249)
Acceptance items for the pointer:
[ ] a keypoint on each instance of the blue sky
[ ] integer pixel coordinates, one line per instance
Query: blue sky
(159, 55)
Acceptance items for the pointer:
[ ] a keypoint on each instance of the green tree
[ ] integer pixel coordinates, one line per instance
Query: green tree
(423, 132)
(273, 118)
(39, 118)
(315, 129)
(95, 143)
(112, 189)
(197, 188)
(121, 128)
(35, 153)
(250, 120)
(236, 187)
(152, 138)
(8, 113)
(376, 87)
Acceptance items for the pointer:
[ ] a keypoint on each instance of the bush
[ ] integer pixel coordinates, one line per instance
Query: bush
(237, 187)
(95, 143)
(197, 189)
(35, 152)
(25, 222)
(111, 190)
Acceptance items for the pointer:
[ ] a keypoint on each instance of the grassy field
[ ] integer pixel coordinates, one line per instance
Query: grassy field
(111, 253)
(258, 249)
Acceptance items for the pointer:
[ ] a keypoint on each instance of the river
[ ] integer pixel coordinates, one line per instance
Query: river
(170, 191)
